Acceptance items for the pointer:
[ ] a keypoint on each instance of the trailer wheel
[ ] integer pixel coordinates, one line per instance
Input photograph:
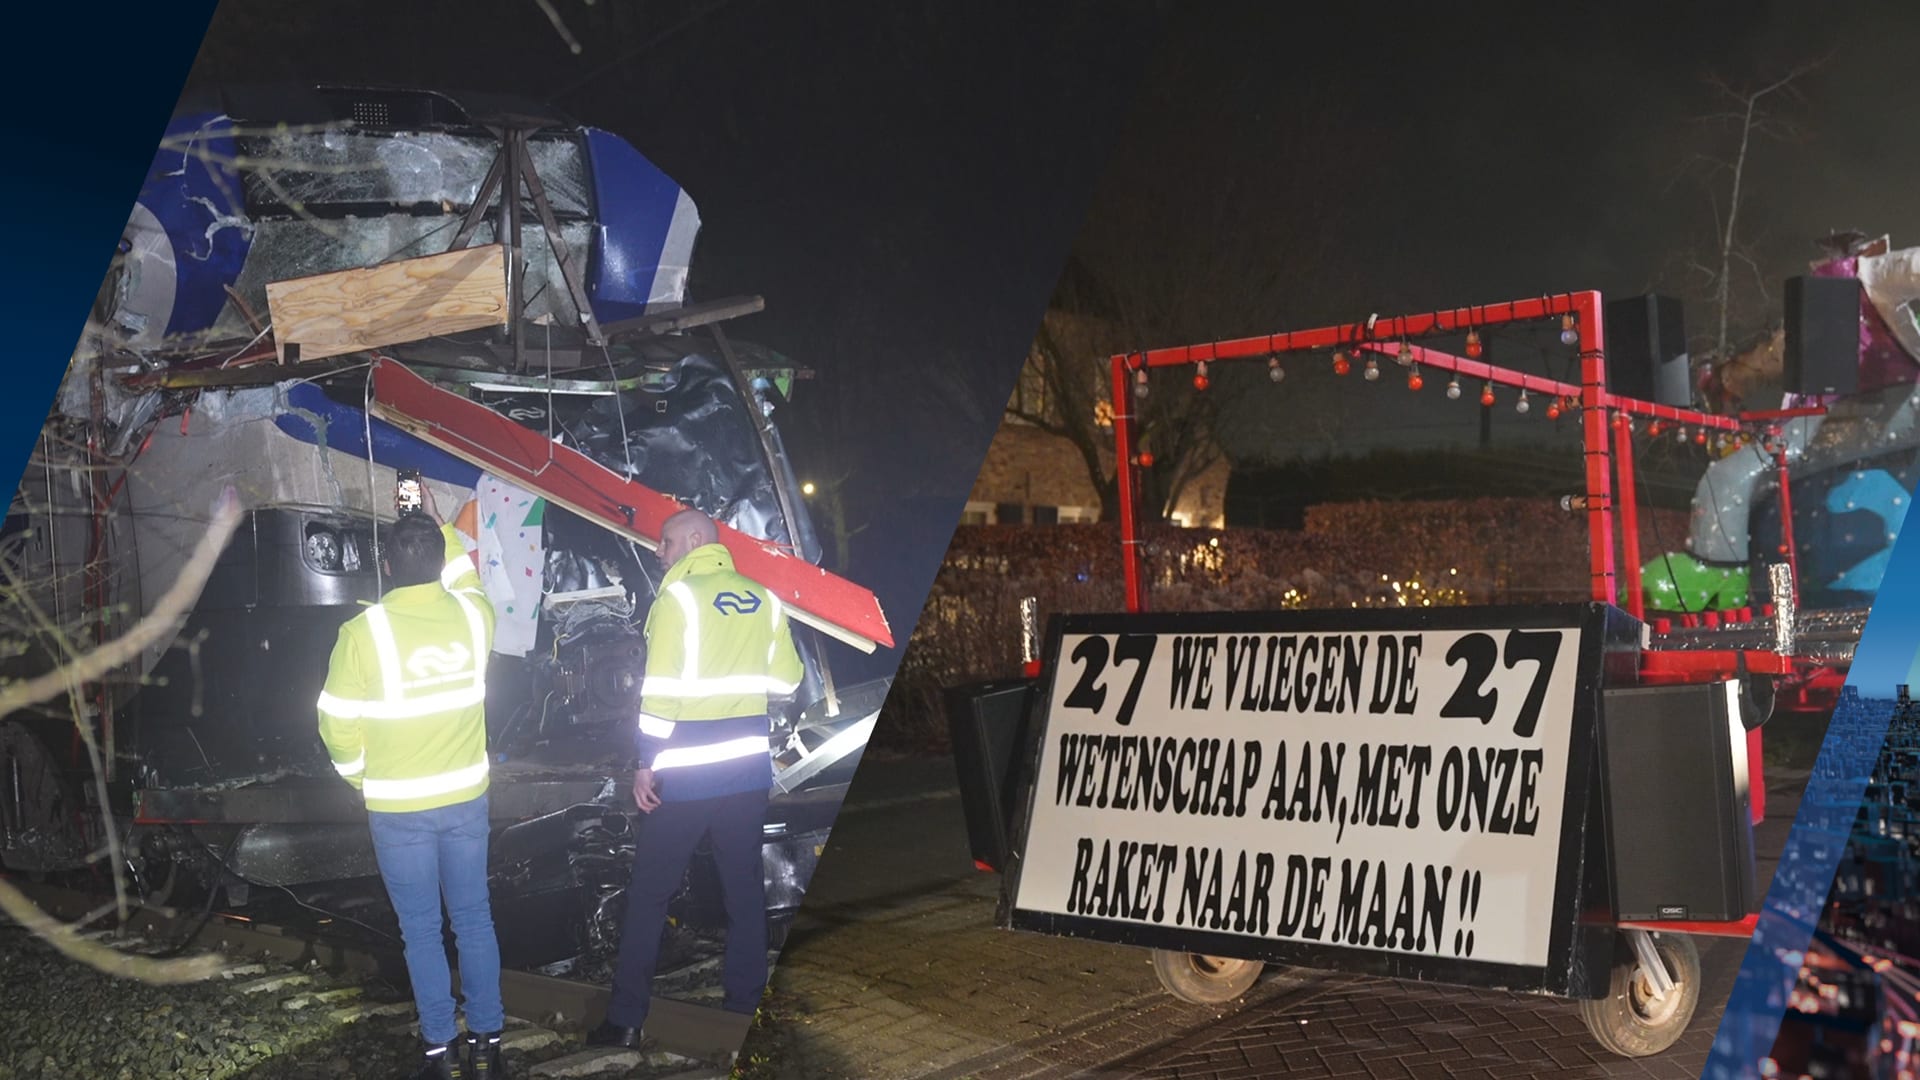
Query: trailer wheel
(1204, 980)
(1631, 1020)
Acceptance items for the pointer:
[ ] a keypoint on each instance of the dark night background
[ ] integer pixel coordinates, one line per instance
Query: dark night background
(901, 181)
(1293, 167)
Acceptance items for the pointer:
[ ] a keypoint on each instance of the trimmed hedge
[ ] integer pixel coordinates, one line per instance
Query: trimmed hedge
(1368, 554)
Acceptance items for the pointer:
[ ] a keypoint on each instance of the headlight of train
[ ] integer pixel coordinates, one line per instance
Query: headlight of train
(324, 549)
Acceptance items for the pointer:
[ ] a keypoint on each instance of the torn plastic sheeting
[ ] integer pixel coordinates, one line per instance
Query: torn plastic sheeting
(695, 440)
(343, 428)
(575, 481)
(1892, 284)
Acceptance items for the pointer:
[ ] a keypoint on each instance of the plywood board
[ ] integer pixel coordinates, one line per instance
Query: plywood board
(406, 300)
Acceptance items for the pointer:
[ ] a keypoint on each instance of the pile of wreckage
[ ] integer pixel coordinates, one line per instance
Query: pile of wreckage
(321, 286)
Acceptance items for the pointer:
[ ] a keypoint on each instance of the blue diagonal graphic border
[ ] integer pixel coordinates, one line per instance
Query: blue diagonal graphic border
(92, 87)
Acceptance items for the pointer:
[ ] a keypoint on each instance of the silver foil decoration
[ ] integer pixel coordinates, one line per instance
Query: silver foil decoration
(1780, 583)
(1029, 629)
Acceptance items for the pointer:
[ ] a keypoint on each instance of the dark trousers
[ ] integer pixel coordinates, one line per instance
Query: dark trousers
(663, 846)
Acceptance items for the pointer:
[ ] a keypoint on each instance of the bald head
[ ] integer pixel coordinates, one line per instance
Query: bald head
(683, 532)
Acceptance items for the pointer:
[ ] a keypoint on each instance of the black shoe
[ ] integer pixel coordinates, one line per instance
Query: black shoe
(612, 1034)
(443, 1063)
(484, 1060)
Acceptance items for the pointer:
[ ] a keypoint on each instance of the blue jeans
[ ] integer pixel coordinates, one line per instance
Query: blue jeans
(425, 855)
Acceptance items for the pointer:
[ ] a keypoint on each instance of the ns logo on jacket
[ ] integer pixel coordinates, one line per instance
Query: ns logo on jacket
(736, 603)
(430, 660)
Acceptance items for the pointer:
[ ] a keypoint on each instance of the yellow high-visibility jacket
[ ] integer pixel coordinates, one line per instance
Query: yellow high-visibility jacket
(718, 645)
(404, 710)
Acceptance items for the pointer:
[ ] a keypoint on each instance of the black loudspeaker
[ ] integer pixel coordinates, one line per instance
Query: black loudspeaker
(1679, 825)
(1823, 335)
(1647, 350)
(988, 723)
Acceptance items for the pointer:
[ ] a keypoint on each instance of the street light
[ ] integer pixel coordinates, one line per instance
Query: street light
(806, 488)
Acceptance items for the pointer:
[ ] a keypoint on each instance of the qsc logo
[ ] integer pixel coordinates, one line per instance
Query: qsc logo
(736, 603)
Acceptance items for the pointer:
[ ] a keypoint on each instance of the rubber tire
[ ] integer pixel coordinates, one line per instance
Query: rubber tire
(1620, 1025)
(1204, 980)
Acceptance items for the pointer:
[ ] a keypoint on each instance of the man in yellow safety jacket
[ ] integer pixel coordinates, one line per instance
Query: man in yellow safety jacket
(404, 720)
(717, 647)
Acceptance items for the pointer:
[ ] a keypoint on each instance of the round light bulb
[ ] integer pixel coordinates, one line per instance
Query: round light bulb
(1372, 371)
(1274, 371)
(1453, 390)
(1522, 406)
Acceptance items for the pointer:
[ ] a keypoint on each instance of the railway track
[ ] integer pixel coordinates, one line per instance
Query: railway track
(292, 1002)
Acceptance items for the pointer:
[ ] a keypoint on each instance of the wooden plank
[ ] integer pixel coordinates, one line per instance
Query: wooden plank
(260, 374)
(823, 600)
(686, 318)
(406, 300)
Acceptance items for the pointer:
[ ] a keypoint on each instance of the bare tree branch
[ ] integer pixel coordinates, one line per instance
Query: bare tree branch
(1753, 122)
(65, 681)
(160, 623)
(66, 939)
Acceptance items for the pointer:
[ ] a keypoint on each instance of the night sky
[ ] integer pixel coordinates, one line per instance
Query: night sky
(1467, 154)
(903, 181)
(900, 181)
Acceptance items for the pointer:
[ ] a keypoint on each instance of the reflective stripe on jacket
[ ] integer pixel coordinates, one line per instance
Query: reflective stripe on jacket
(403, 712)
(718, 645)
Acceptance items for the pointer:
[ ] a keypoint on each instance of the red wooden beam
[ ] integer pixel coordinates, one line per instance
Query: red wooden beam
(568, 478)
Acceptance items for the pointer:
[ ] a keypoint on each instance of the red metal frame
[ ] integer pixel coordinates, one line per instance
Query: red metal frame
(1787, 545)
(1607, 461)
(1600, 409)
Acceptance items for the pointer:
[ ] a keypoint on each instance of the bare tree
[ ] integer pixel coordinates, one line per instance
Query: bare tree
(1065, 390)
(1215, 233)
(66, 680)
(1746, 109)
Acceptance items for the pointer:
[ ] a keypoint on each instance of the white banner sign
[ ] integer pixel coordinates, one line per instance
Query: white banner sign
(1396, 791)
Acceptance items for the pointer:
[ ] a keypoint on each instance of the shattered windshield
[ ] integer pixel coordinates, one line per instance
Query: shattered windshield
(331, 172)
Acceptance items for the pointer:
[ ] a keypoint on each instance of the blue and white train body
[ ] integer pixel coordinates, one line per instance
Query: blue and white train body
(263, 186)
